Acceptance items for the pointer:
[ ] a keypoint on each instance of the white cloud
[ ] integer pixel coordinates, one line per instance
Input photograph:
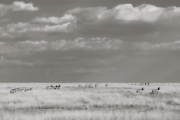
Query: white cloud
(91, 44)
(14, 30)
(32, 45)
(88, 44)
(4, 61)
(21, 6)
(4, 9)
(55, 20)
(63, 28)
(158, 46)
(79, 43)
(17, 6)
(125, 12)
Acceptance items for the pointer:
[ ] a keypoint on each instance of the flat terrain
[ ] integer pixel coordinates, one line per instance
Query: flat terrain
(116, 102)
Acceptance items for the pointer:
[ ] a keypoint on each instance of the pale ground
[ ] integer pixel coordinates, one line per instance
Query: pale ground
(117, 102)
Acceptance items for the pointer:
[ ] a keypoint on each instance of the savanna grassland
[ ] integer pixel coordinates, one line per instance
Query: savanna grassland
(116, 102)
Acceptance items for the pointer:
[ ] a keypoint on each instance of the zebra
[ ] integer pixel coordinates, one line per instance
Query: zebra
(86, 85)
(96, 85)
(79, 85)
(155, 91)
(139, 90)
(17, 89)
(58, 86)
(13, 91)
(106, 85)
(91, 86)
(53, 87)
(22, 89)
(49, 87)
(28, 89)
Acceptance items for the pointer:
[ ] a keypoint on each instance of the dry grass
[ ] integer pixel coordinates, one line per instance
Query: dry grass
(117, 102)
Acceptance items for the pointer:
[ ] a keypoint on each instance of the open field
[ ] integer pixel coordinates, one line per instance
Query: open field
(116, 102)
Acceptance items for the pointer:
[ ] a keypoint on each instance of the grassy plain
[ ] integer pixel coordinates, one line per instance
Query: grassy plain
(117, 102)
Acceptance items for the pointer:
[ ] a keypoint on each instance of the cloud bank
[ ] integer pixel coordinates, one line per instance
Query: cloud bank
(17, 6)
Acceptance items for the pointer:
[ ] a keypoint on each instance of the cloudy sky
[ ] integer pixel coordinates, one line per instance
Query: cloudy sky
(90, 41)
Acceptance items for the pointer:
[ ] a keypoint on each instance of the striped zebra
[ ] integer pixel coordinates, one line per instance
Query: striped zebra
(49, 87)
(139, 90)
(28, 89)
(17, 89)
(23, 89)
(91, 86)
(80, 85)
(155, 91)
(58, 86)
(13, 91)
(87, 85)
(96, 85)
(53, 87)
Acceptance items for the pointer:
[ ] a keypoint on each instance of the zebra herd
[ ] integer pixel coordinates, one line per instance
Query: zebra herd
(140, 84)
(90, 85)
(154, 91)
(57, 87)
(53, 87)
(23, 89)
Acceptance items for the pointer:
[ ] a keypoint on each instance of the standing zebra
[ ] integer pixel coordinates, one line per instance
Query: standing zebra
(91, 86)
(86, 85)
(79, 85)
(49, 87)
(139, 90)
(155, 91)
(13, 91)
(96, 85)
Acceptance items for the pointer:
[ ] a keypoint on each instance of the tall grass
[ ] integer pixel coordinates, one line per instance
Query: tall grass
(117, 102)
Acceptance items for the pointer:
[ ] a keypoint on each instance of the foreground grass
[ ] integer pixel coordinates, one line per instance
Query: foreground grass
(117, 102)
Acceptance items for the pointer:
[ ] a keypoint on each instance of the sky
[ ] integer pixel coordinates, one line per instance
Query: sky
(108, 41)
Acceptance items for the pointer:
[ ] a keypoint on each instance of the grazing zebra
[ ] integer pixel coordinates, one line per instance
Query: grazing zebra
(24, 89)
(91, 86)
(80, 85)
(139, 90)
(106, 85)
(17, 89)
(28, 89)
(13, 91)
(96, 85)
(53, 87)
(155, 91)
(86, 85)
(49, 87)
(20, 90)
(58, 86)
